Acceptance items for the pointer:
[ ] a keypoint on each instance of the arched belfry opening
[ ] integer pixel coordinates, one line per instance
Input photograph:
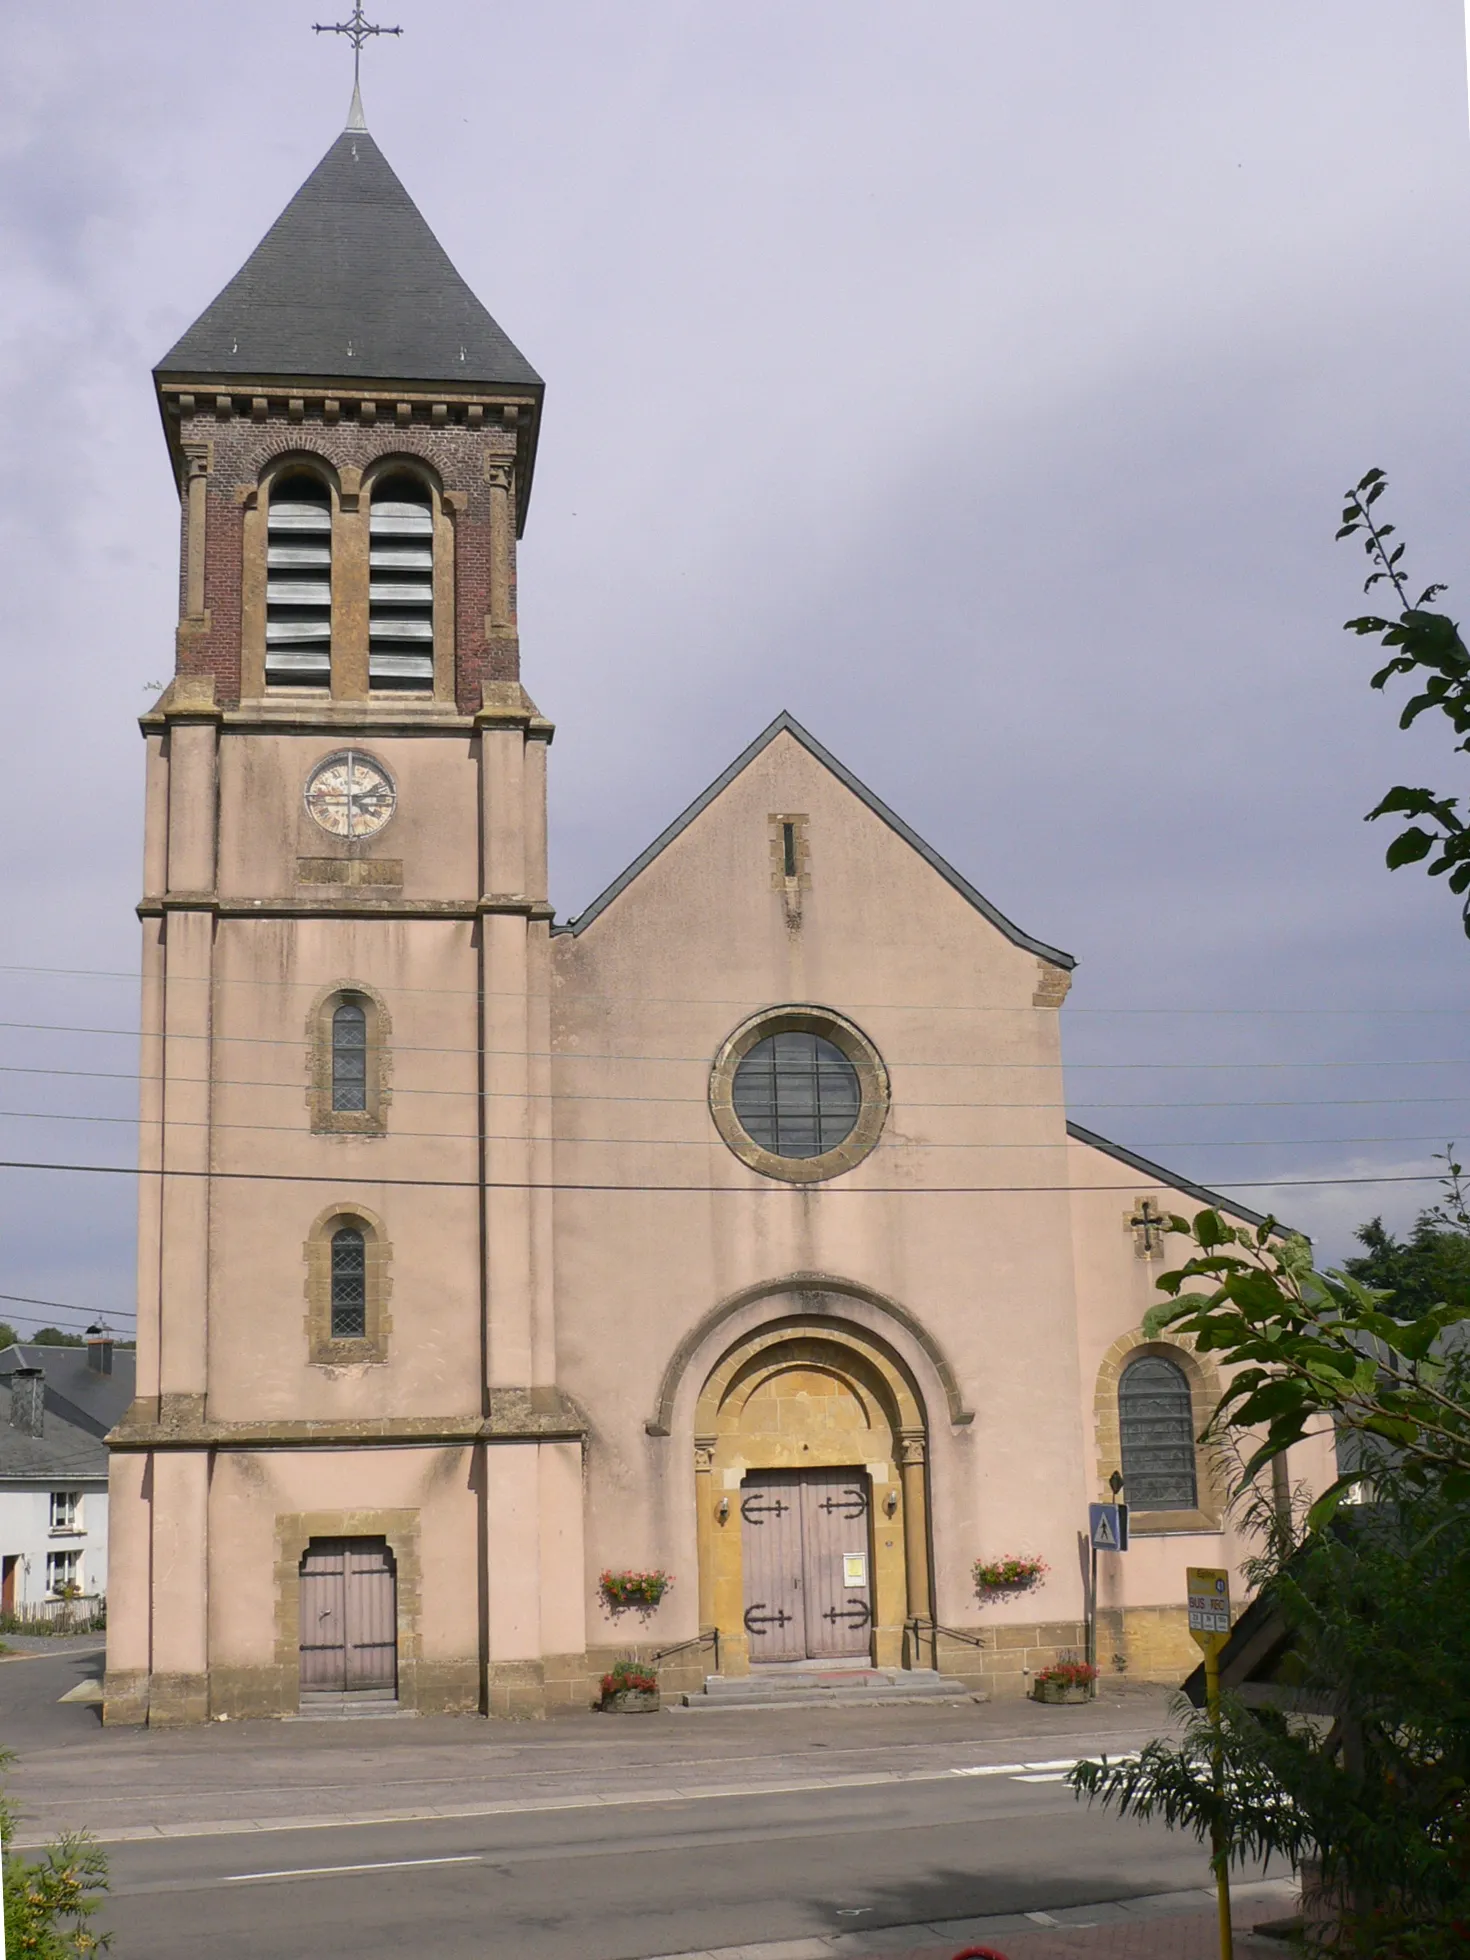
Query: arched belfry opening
(810, 1453)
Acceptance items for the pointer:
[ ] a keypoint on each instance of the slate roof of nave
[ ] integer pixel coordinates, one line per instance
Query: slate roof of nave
(350, 282)
(787, 724)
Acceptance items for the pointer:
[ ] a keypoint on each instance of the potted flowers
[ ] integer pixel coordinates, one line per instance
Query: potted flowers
(1016, 1572)
(620, 1590)
(1065, 1681)
(630, 1689)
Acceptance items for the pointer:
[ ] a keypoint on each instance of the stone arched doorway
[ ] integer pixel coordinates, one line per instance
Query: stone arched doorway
(810, 1454)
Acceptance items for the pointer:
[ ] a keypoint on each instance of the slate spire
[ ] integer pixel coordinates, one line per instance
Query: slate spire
(350, 283)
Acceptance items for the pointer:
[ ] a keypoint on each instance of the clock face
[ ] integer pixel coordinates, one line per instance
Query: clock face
(350, 795)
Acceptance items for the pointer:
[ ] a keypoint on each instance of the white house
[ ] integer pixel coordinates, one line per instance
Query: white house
(56, 1405)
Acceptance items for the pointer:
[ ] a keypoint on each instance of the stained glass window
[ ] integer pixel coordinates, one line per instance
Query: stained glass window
(1156, 1417)
(349, 1284)
(349, 1056)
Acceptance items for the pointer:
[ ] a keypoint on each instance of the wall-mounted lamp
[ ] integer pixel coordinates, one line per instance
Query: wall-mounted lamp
(722, 1510)
(890, 1504)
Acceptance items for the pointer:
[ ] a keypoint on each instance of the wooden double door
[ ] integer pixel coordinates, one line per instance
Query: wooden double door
(808, 1567)
(349, 1618)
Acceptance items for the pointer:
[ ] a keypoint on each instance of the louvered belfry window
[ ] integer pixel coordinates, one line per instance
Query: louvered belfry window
(1156, 1416)
(401, 586)
(349, 1056)
(349, 1284)
(298, 584)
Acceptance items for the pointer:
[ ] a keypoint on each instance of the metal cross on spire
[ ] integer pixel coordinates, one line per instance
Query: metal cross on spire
(357, 31)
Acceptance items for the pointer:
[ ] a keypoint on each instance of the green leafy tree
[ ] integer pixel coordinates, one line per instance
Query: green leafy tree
(1426, 645)
(1371, 1780)
(1424, 1270)
(56, 1337)
(1305, 1347)
(8, 1335)
(50, 1902)
(1372, 1784)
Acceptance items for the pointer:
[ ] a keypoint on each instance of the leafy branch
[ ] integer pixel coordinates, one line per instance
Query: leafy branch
(1422, 642)
(1307, 1347)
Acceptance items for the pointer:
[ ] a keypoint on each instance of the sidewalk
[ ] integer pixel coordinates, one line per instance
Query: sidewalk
(1167, 1926)
(127, 1784)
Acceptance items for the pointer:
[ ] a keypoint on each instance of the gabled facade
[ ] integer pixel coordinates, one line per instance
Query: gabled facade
(735, 1230)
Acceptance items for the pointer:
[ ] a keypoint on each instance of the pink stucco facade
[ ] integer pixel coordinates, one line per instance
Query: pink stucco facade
(592, 1307)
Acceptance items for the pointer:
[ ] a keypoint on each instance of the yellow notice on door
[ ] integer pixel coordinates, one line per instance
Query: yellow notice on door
(854, 1569)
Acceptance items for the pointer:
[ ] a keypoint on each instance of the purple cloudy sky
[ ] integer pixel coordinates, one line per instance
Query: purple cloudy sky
(975, 381)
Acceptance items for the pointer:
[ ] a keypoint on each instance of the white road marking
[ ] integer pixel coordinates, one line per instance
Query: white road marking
(336, 1871)
(990, 1769)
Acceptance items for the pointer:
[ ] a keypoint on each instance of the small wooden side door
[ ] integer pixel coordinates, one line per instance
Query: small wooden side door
(770, 1537)
(837, 1583)
(349, 1617)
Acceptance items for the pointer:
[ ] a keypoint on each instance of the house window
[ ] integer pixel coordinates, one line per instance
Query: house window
(63, 1574)
(298, 583)
(349, 1284)
(349, 1056)
(66, 1510)
(796, 1094)
(401, 586)
(1156, 1421)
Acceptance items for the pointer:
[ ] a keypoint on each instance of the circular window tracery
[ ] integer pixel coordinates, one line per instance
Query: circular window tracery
(799, 1093)
(796, 1094)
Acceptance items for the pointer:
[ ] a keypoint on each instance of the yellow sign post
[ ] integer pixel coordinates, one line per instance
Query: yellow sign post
(1208, 1590)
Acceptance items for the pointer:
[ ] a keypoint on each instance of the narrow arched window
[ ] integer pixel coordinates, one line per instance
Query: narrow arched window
(349, 1056)
(1156, 1420)
(349, 1284)
(298, 583)
(401, 586)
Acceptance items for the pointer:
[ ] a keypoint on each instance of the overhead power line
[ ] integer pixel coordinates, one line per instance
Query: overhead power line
(336, 1178)
(740, 1004)
(401, 1089)
(471, 1137)
(630, 1059)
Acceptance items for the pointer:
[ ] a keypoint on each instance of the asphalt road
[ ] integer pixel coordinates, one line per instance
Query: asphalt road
(635, 1880)
(568, 1856)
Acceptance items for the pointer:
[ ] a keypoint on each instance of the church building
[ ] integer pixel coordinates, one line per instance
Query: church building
(732, 1232)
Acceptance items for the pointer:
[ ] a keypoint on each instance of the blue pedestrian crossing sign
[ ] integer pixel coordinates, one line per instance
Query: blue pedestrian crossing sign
(1107, 1527)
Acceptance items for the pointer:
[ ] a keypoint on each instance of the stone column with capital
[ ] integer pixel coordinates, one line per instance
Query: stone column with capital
(915, 1526)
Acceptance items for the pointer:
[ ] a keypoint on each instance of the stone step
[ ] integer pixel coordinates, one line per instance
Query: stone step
(812, 1688)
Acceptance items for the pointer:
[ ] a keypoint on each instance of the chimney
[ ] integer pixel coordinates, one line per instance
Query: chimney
(28, 1401)
(99, 1348)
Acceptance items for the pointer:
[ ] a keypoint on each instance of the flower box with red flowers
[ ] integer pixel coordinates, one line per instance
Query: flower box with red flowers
(630, 1689)
(1064, 1681)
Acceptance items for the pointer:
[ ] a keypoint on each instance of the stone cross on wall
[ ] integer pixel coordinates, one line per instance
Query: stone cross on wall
(1149, 1226)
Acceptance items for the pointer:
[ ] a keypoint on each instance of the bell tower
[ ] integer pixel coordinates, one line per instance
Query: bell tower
(347, 1366)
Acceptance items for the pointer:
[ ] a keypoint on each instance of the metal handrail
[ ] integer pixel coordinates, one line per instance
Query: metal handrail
(707, 1636)
(955, 1633)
